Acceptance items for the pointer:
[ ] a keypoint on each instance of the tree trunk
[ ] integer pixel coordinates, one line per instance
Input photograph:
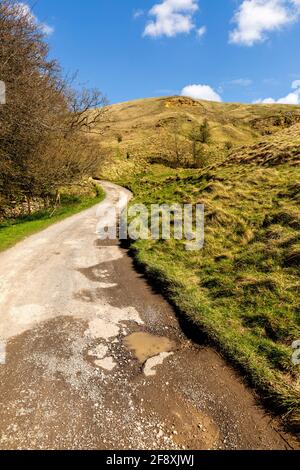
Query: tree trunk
(28, 205)
(57, 202)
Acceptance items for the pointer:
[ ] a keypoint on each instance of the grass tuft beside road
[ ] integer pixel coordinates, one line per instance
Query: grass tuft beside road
(243, 288)
(15, 230)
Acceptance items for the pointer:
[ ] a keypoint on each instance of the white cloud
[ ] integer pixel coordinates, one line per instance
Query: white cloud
(296, 83)
(291, 98)
(201, 92)
(172, 17)
(201, 31)
(46, 29)
(265, 101)
(24, 10)
(137, 14)
(256, 18)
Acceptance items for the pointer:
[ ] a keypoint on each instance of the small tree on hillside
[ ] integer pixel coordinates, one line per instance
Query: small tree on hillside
(180, 147)
(201, 158)
(205, 133)
(119, 138)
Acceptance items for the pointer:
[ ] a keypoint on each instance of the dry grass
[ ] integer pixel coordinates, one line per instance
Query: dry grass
(282, 147)
(143, 130)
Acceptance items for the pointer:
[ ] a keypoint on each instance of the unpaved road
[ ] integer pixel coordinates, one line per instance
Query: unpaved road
(77, 325)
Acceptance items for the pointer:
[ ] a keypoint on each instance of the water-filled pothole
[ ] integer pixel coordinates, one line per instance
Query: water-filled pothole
(144, 345)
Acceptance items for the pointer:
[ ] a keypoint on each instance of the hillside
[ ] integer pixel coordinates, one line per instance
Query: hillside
(281, 147)
(147, 129)
(242, 289)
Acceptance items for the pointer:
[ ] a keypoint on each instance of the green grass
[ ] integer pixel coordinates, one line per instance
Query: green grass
(14, 231)
(243, 288)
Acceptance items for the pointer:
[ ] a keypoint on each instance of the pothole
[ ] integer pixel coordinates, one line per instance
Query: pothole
(153, 362)
(145, 345)
(107, 363)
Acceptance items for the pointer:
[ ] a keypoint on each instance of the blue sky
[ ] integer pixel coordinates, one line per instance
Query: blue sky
(229, 50)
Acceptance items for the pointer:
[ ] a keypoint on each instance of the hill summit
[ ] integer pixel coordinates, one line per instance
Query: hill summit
(163, 129)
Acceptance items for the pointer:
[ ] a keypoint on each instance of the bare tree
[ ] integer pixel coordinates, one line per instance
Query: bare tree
(45, 126)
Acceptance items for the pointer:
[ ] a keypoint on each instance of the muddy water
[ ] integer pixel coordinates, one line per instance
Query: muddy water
(144, 345)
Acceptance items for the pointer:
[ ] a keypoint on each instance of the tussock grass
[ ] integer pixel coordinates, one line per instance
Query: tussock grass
(292, 255)
(242, 289)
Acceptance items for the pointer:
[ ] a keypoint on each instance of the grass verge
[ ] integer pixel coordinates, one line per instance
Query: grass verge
(242, 289)
(15, 230)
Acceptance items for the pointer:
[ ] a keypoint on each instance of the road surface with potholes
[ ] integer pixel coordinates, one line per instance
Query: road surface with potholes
(92, 358)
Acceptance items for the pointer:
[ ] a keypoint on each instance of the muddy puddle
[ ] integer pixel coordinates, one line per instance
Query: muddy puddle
(144, 345)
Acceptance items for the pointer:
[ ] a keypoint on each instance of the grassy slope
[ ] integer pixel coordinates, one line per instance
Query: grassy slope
(145, 128)
(14, 231)
(243, 288)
